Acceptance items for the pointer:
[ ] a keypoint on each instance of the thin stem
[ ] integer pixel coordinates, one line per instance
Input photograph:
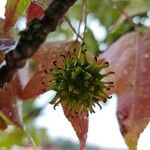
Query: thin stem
(81, 19)
(85, 17)
(121, 10)
(73, 29)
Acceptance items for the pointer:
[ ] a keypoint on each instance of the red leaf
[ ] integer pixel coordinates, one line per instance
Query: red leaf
(79, 122)
(129, 58)
(11, 34)
(34, 11)
(37, 8)
(10, 104)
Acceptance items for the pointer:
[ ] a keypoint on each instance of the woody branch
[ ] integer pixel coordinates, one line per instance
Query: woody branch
(32, 38)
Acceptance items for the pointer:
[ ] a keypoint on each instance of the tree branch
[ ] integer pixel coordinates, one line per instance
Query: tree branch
(32, 38)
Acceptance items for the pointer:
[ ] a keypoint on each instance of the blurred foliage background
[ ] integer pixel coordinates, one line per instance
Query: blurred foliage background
(113, 17)
(107, 20)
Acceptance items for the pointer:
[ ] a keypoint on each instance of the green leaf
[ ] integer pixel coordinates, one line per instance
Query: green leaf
(91, 42)
(9, 138)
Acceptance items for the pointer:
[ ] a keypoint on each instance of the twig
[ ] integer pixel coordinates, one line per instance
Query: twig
(81, 18)
(121, 10)
(69, 23)
(32, 38)
(85, 17)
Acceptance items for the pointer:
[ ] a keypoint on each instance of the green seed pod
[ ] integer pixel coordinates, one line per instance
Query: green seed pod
(79, 83)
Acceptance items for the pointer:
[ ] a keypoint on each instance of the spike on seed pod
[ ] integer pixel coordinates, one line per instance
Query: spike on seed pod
(104, 101)
(45, 71)
(63, 56)
(55, 63)
(44, 90)
(110, 97)
(95, 58)
(68, 55)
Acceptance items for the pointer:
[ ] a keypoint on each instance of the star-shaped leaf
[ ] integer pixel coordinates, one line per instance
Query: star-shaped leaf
(129, 58)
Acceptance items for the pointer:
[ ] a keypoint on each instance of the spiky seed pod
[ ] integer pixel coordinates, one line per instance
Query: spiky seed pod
(79, 83)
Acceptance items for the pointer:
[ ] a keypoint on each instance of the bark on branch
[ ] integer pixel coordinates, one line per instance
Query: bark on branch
(32, 38)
